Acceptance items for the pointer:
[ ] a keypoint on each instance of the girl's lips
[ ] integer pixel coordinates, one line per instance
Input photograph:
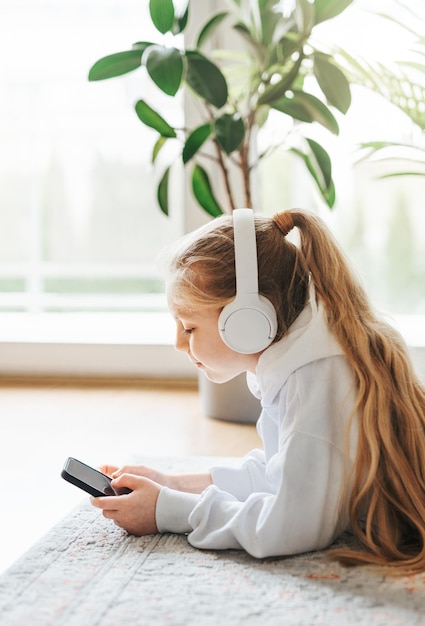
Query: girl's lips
(195, 363)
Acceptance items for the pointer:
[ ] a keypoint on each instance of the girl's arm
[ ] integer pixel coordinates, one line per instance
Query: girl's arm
(190, 483)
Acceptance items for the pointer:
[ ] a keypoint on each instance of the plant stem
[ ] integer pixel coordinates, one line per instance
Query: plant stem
(226, 177)
(220, 160)
(244, 163)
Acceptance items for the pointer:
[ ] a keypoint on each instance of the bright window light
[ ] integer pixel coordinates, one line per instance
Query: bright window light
(80, 229)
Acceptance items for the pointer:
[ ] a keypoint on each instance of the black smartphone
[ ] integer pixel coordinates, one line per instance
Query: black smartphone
(90, 479)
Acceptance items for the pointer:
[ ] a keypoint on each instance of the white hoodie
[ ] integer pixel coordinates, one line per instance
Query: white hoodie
(289, 497)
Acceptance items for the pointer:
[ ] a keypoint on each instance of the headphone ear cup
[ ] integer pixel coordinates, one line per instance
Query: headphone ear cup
(248, 324)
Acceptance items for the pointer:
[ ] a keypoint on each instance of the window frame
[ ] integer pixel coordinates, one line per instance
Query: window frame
(130, 345)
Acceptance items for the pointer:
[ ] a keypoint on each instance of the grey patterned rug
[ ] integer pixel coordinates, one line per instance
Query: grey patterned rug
(88, 572)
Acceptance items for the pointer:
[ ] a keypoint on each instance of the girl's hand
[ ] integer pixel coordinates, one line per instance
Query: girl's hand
(192, 483)
(134, 512)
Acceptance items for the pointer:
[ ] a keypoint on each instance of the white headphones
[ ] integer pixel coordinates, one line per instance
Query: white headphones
(248, 324)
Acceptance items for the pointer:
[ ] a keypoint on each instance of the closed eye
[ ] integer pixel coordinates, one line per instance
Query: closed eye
(188, 331)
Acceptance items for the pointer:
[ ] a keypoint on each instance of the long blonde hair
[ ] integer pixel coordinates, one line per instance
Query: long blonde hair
(389, 469)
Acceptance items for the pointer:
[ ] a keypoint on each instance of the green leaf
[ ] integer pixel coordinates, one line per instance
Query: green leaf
(332, 82)
(293, 108)
(162, 14)
(157, 147)
(162, 192)
(330, 196)
(142, 45)
(304, 16)
(116, 64)
(195, 140)
(283, 50)
(327, 9)
(151, 118)
(206, 79)
(229, 131)
(404, 91)
(202, 191)
(307, 108)
(243, 30)
(323, 161)
(180, 22)
(405, 157)
(274, 92)
(165, 67)
(406, 173)
(271, 24)
(210, 28)
(375, 146)
(319, 165)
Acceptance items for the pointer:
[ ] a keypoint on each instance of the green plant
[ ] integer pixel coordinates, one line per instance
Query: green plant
(235, 90)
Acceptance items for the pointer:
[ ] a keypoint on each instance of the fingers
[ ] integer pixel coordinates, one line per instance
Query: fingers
(134, 512)
(113, 471)
(137, 470)
(108, 508)
(108, 469)
(131, 481)
(106, 503)
(113, 503)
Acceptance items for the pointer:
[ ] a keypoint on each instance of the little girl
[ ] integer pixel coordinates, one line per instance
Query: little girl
(343, 413)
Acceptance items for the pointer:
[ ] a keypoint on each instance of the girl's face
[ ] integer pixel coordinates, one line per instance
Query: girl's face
(197, 334)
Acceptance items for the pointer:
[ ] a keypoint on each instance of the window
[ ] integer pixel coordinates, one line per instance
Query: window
(78, 207)
(79, 226)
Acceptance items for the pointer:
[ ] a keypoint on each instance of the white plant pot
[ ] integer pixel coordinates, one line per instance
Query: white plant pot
(231, 401)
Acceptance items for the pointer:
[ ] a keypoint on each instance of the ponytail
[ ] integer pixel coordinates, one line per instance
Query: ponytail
(389, 471)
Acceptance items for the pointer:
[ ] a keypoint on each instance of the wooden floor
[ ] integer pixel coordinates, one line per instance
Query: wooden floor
(42, 423)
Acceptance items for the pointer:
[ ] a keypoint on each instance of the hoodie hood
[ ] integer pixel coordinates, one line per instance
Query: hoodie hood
(308, 339)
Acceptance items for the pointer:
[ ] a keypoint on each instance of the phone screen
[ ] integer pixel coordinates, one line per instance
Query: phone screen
(89, 479)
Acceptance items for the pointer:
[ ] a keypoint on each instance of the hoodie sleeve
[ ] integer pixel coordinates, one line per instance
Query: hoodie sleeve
(241, 481)
(301, 516)
(174, 507)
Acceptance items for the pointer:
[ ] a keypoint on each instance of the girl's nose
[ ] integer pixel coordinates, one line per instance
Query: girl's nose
(181, 342)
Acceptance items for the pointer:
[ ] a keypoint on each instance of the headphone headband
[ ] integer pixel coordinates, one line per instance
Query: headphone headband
(245, 251)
